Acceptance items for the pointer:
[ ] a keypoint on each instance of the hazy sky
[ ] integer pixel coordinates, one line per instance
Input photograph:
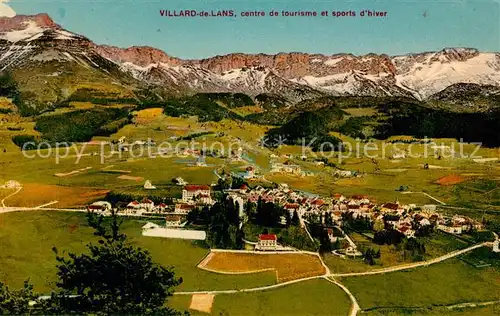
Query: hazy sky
(410, 26)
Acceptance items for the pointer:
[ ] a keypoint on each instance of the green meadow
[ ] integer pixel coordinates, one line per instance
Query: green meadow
(446, 283)
(27, 238)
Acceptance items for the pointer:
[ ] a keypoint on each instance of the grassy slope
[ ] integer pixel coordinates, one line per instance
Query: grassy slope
(450, 282)
(317, 297)
(26, 240)
(436, 245)
(323, 298)
(469, 311)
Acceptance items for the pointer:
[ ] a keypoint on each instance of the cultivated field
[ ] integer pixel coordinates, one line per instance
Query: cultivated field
(33, 195)
(287, 266)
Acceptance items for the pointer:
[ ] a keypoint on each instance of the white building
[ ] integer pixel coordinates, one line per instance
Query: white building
(183, 208)
(180, 181)
(173, 220)
(149, 226)
(267, 242)
(149, 186)
(11, 184)
(249, 172)
(191, 192)
(496, 246)
(147, 205)
(105, 205)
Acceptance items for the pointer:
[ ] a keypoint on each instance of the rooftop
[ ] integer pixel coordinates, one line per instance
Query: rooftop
(195, 187)
(267, 237)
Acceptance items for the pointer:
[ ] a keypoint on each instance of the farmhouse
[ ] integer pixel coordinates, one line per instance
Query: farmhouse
(173, 219)
(100, 205)
(267, 242)
(162, 207)
(286, 167)
(183, 208)
(149, 226)
(191, 192)
(451, 229)
(180, 181)
(149, 186)
(147, 204)
(134, 205)
(249, 172)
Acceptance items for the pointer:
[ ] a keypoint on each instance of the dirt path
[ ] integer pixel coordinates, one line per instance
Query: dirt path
(326, 275)
(355, 309)
(10, 195)
(413, 265)
(427, 195)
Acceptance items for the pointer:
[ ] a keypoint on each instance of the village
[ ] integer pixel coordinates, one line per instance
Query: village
(330, 213)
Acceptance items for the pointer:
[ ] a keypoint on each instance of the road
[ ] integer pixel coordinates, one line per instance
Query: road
(8, 196)
(328, 275)
(413, 265)
(38, 208)
(427, 195)
(355, 309)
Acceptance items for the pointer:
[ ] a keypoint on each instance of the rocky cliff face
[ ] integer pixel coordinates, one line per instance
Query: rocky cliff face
(19, 22)
(137, 55)
(294, 76)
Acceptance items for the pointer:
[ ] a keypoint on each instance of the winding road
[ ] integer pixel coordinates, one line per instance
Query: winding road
(10, 195)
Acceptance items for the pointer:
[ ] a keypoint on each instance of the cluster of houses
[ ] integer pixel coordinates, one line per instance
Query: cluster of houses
(287, 167)
(458, 224)
(192, 196)
(406, 218)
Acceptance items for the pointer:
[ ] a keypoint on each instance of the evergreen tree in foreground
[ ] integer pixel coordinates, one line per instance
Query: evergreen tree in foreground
(113, 277)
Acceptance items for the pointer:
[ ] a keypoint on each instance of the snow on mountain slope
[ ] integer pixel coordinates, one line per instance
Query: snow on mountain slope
(32, 31)
(25, 40)
(432, 76)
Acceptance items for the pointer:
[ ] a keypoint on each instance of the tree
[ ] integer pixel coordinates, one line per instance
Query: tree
(223, 228)
(328, 219)
(232, 211)
(368, 257)
(251, 210)
(379, 225)
(112, 278)
(325, 242)
(269, 214)
(288, 218)
(16, 302)
(295, 218)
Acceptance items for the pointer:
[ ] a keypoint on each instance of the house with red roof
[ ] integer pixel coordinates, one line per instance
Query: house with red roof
(173, 219)
(162, 207)
(183, 208)
(267, 242)
(191, 192)
(134, 205)
(243, 188)
(147, 204)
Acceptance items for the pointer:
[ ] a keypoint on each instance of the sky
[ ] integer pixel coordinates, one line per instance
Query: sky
(409, 27)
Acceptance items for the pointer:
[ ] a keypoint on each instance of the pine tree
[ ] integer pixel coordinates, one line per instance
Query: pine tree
(295, 218)
(112, 278)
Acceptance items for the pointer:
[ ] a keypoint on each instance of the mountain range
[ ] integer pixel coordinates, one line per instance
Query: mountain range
(50, 64)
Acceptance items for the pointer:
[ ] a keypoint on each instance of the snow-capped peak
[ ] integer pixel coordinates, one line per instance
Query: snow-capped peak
(31, 32)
